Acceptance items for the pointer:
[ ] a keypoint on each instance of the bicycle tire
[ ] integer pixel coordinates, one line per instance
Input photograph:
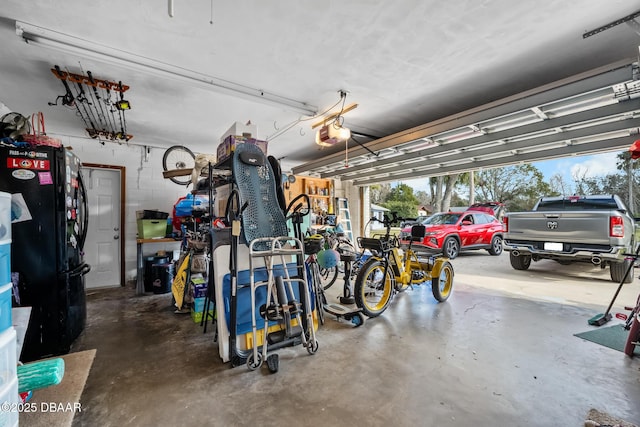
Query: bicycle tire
(178, 157)
(634, 336)
(372, 291)
(328, 277)
(442, 285)
(634, 330)
(317, 290)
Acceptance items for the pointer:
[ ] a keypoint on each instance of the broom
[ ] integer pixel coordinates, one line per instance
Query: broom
(602, 318)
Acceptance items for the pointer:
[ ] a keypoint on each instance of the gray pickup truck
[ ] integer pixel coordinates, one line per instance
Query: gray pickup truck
(595, 229)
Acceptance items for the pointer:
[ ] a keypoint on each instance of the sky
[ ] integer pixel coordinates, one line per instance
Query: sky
(592, 166)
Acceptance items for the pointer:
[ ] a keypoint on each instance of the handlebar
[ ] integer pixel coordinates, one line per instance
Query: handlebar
(388, 222)
(298, 208)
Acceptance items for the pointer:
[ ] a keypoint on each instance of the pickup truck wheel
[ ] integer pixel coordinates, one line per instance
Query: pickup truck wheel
(520, 262)
(618, 269)
(496, 246)
(451, 247)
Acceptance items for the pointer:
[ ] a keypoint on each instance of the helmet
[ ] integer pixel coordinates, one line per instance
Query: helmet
(313, 244)
(328, 258)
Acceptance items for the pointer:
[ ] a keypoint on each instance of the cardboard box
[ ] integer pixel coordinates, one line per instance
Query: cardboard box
(228, 146)
(240, 130)
(152, 228)
(198, 286)
(197, 316)
(197, 310)
(198, 305)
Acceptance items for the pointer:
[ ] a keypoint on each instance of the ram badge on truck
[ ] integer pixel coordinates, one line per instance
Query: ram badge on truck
(595, 229)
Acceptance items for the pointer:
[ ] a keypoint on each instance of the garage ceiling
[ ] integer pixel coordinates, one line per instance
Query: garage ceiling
(416, 69)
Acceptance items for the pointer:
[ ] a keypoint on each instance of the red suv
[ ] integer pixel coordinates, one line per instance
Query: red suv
(452, 232)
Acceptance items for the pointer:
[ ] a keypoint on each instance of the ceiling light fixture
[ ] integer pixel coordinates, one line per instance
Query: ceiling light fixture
(331, 134)
(33, 34)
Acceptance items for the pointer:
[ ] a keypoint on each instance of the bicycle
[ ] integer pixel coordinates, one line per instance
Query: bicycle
(632, 325)
(179, 157)
(390, 270)
(312, 246)
(337, 241)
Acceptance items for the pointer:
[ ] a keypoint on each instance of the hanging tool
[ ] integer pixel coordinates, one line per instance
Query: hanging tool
(602, 318)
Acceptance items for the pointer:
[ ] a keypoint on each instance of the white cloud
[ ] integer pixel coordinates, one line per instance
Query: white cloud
(594, 166)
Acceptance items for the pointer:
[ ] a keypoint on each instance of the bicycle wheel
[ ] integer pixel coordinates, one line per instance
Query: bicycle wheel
(634, 337)
(634, 330)
(178, 157)
(442, 285)
(328, 276)
(372, 289)
(317, 290)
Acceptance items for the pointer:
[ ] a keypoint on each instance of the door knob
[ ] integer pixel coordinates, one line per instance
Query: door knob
(116, 237)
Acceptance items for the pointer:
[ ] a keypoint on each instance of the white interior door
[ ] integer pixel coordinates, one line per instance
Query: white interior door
(102, 246)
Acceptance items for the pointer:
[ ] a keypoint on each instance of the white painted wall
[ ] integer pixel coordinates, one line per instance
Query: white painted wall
(145, 187)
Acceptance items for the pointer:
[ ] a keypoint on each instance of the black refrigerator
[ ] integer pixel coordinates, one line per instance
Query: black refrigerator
(49, 225)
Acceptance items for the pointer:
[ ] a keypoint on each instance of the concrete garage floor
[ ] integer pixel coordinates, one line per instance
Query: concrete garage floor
(487, 357)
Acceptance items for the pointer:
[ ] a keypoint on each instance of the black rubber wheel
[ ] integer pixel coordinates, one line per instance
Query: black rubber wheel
(496, 245)
(254, 365)
(312, 346)
(451, 247)
(372, 291)
(317, 290)
(328, 277)
(442, 285)
(618, 270)
(273, 363)
(178, 157)
(520, 262)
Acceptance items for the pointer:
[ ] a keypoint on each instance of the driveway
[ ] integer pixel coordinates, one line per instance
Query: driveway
(581, 285)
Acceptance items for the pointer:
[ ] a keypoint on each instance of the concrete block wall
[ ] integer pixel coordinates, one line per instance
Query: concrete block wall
(146, 188)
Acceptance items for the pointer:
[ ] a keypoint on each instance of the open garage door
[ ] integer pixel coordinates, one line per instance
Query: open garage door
(597, 111)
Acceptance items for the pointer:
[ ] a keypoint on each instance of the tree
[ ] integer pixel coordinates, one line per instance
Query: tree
(402, 201)
(378, 192)
(559, 186)
(624, 183)
(443, 189)
(517, 186)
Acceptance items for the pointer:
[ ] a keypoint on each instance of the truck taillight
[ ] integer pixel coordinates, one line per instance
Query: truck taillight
(505, 222)
(616, 226)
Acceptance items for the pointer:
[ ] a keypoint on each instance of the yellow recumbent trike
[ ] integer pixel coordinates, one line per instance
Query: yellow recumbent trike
(391, 269)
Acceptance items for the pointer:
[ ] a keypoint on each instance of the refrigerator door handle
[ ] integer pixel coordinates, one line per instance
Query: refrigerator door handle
(85, 211)
(80, 270)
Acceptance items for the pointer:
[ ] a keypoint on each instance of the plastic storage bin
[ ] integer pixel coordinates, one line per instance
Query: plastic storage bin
(5, 261)
(9, 394)
(152, 228)
(5, 307)
(8, 363)
(5, 216)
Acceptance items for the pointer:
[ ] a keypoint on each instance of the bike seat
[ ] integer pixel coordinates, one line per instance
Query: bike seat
(348, 257)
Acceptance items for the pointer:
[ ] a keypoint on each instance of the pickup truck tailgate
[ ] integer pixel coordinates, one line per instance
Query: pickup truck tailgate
(575, 227)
